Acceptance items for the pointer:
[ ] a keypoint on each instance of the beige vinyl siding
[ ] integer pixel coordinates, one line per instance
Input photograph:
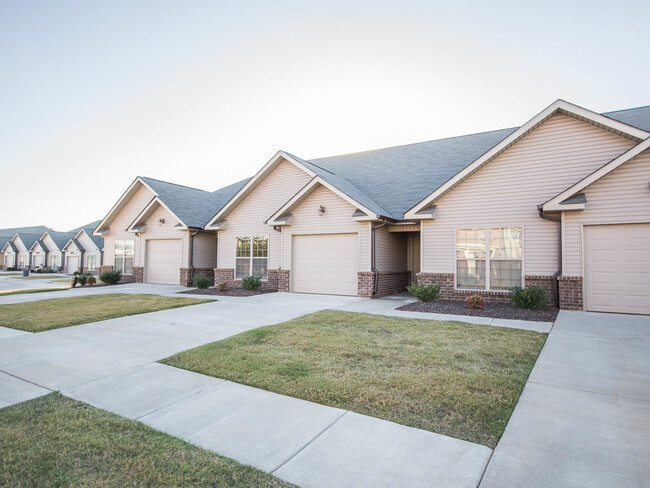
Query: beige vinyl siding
(52, 251)
(507, 191)
(90, 250)
(154, 229)
(623, 196)
(390, 250)
(337, 219)
(120, 223)
(249, 216)
(22, 252)
(205, 250)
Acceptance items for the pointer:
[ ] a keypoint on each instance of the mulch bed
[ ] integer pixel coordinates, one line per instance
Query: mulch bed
(494, 310)
(231, 292)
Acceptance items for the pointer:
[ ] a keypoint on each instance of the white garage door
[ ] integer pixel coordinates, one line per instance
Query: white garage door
(326, 263)
(38, 261)
(163, 261)
(617, 268)
(9, 260)
(72, 264)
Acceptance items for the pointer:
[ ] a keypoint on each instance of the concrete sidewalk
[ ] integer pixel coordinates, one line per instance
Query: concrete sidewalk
(111, 365)
(583, 418)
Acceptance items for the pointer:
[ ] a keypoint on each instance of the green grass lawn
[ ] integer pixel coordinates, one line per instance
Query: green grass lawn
(44, 276)
(54, 313)
(10, 274)
(53, 441)
(453, 378)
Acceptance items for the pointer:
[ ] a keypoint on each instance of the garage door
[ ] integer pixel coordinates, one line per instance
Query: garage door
(9, 260)
(163, 261)
(72, 264)
(326, 263)
(617, 268)
(38, 261)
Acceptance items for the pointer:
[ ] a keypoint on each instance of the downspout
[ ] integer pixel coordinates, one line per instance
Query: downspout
(556, 285)
(373, 255)
(190, 253)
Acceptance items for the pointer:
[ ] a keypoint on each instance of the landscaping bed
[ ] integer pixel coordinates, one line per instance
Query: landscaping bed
(494, 310)
(230, 292)
(453, 378)
(54, 441)
(55, 313)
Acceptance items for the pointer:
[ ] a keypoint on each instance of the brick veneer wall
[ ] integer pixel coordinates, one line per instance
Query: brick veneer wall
(227, 275)
(448, 292)
(125, 278)
(187, 275)
(284, 280)
(138, 274)
(388, 283)
(570, 292)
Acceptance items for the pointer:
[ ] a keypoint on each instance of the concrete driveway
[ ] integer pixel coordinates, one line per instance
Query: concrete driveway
(111, 365)
(8, 282)
(583, 419)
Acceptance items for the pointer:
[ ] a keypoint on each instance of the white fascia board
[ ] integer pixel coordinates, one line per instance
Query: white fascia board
(554, 204)
(136, 224)
(317, 180)
(109, 215)
(259, 175)
(557, 106)
(567, 207)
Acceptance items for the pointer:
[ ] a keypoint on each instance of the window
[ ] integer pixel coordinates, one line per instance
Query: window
(22, 261)
(252, 255)
(90, 262)
(503, 259)
(54, 261)
(124, 251)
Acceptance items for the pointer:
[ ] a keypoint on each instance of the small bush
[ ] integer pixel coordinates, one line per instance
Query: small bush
(201, 281)
(532, 297)
(475, 301)
(111, 277)
(424, 293)
(251, 283)
(82, 278)
(91, 280)
(222, 286)
(38, 270)
(11, 268)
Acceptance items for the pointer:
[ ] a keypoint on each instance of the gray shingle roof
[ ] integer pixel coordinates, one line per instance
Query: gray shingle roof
(11, 245)
(193, 206)
(392, 180)
(28, 239)
(396, 178)
(61, 238)
(89, 228)
(7, 234)
(638, 117)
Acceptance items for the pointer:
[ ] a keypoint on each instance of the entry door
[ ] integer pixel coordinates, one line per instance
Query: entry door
(617, 268)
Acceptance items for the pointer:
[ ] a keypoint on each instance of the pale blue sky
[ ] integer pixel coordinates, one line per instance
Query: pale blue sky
(203, 93)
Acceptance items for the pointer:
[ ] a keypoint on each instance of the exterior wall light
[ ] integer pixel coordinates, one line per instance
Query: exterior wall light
(321, 210)
(161, 221)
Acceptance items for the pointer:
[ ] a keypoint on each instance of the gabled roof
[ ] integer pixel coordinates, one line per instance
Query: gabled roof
(610, 123)
(572, 199)
(192, 206)
(40, 243)
(8, 234)
(396, 181)
(11, 246)
(28, 240)
(88, 227)
(60, 238)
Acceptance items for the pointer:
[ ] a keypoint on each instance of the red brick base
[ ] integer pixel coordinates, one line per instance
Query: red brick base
(138, 274)
(276, 278)
(388, 283)
(448, 291)
(571, 292)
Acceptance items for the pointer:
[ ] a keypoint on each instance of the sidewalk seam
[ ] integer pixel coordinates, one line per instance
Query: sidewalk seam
(309, 442)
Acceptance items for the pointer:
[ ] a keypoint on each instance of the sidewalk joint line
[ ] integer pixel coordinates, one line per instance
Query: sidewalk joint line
(309, 442)
(611, 395)
(26, 381)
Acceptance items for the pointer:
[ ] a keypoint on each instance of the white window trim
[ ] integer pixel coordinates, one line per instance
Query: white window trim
(250, 258)
(123, 255)
(94, 258)
(487, 253)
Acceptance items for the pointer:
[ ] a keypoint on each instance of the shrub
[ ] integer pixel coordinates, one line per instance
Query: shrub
(424, 293)
(38, 270)
(82, 278)
(91, 280)
(251, 283)
(201, 281)
(532, 297)
(222, 286)
(111, 277)
(475, 301)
